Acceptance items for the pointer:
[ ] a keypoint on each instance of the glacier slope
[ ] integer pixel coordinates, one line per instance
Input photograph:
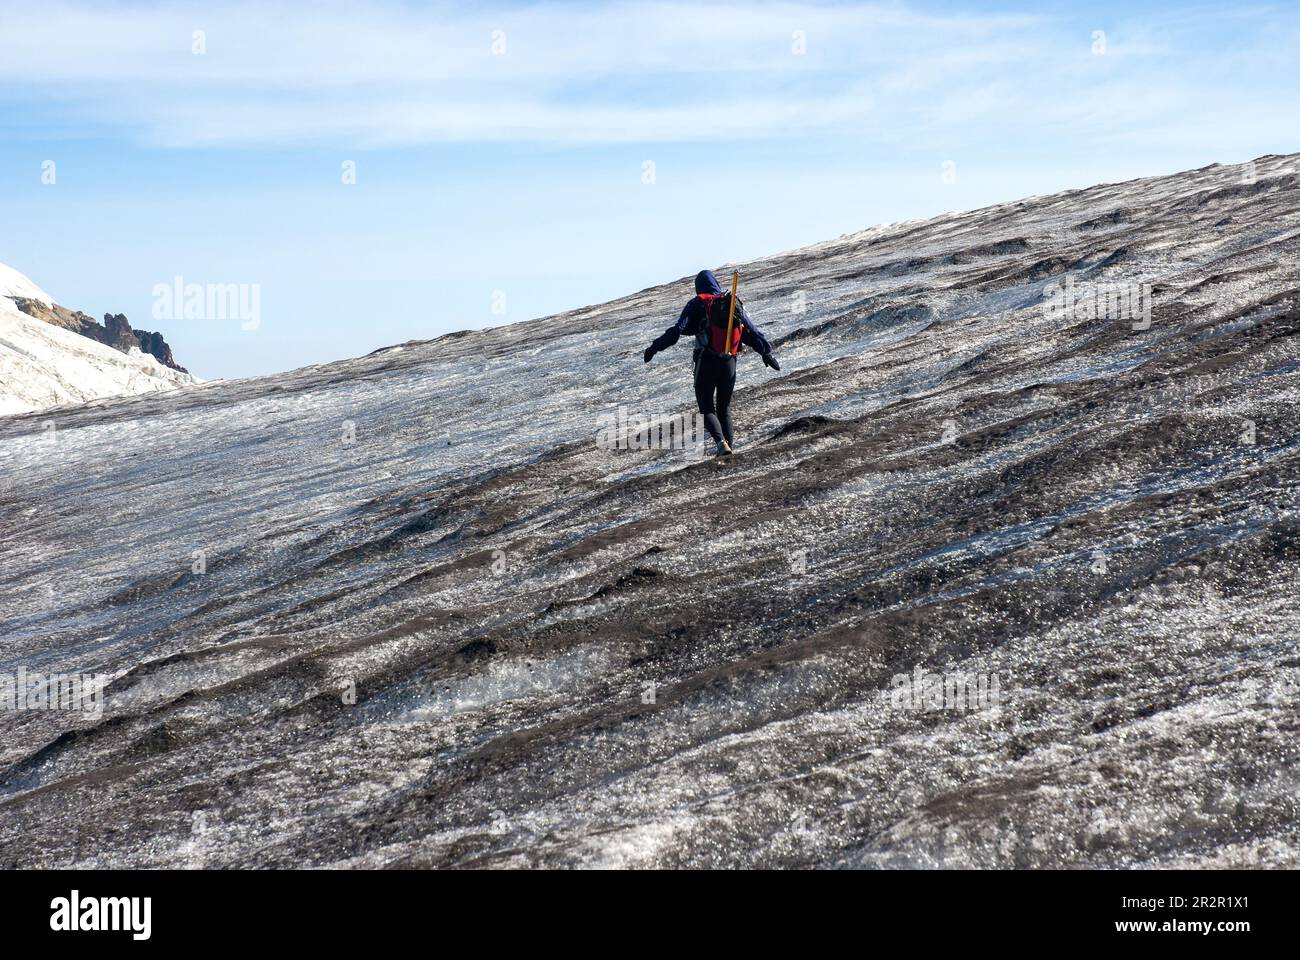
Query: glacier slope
(436, 625)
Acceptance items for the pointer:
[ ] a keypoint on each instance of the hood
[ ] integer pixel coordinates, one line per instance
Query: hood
(706, 282)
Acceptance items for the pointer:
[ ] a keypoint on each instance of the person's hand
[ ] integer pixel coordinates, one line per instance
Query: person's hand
(649, 352)
(771, 361)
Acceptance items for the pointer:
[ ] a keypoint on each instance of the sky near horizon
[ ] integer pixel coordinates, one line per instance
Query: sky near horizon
(515, 160)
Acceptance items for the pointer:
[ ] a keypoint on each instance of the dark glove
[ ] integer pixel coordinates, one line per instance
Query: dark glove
(649, 352)
(771, 361)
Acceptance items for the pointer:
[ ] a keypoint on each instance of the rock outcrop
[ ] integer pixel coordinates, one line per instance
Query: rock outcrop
(116, 331)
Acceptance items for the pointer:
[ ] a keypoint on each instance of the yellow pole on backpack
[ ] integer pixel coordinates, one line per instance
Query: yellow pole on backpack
(731, 313)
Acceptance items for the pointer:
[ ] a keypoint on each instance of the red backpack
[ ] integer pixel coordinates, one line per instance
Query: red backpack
(716, 308)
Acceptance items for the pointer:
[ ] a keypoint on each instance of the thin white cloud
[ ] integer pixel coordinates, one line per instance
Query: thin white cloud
(395, 121)
(306, 45)
(383, 73)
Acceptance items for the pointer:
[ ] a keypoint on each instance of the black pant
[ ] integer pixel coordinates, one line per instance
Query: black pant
(715, 375)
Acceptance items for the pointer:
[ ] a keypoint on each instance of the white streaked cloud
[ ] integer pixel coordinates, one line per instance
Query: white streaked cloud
(385, 73)
(310, 45)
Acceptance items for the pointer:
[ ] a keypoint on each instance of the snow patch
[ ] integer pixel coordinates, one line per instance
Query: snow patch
(44, 366)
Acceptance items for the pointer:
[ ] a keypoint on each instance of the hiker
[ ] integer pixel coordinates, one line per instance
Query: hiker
(714, 360)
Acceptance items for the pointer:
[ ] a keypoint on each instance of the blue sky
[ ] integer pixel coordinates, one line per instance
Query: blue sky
(504, 147)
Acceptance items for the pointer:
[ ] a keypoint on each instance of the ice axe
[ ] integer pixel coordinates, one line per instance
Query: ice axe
(731, 313)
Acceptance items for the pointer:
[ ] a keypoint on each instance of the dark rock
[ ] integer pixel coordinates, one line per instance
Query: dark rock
(118, 333)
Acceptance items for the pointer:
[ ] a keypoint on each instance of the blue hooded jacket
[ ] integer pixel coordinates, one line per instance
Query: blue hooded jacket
(706, 282)
(692, 321)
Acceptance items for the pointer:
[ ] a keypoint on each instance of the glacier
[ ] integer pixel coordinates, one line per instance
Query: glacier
(404, 610)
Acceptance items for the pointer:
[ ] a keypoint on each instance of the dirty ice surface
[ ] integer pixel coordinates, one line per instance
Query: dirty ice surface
(987, 583)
